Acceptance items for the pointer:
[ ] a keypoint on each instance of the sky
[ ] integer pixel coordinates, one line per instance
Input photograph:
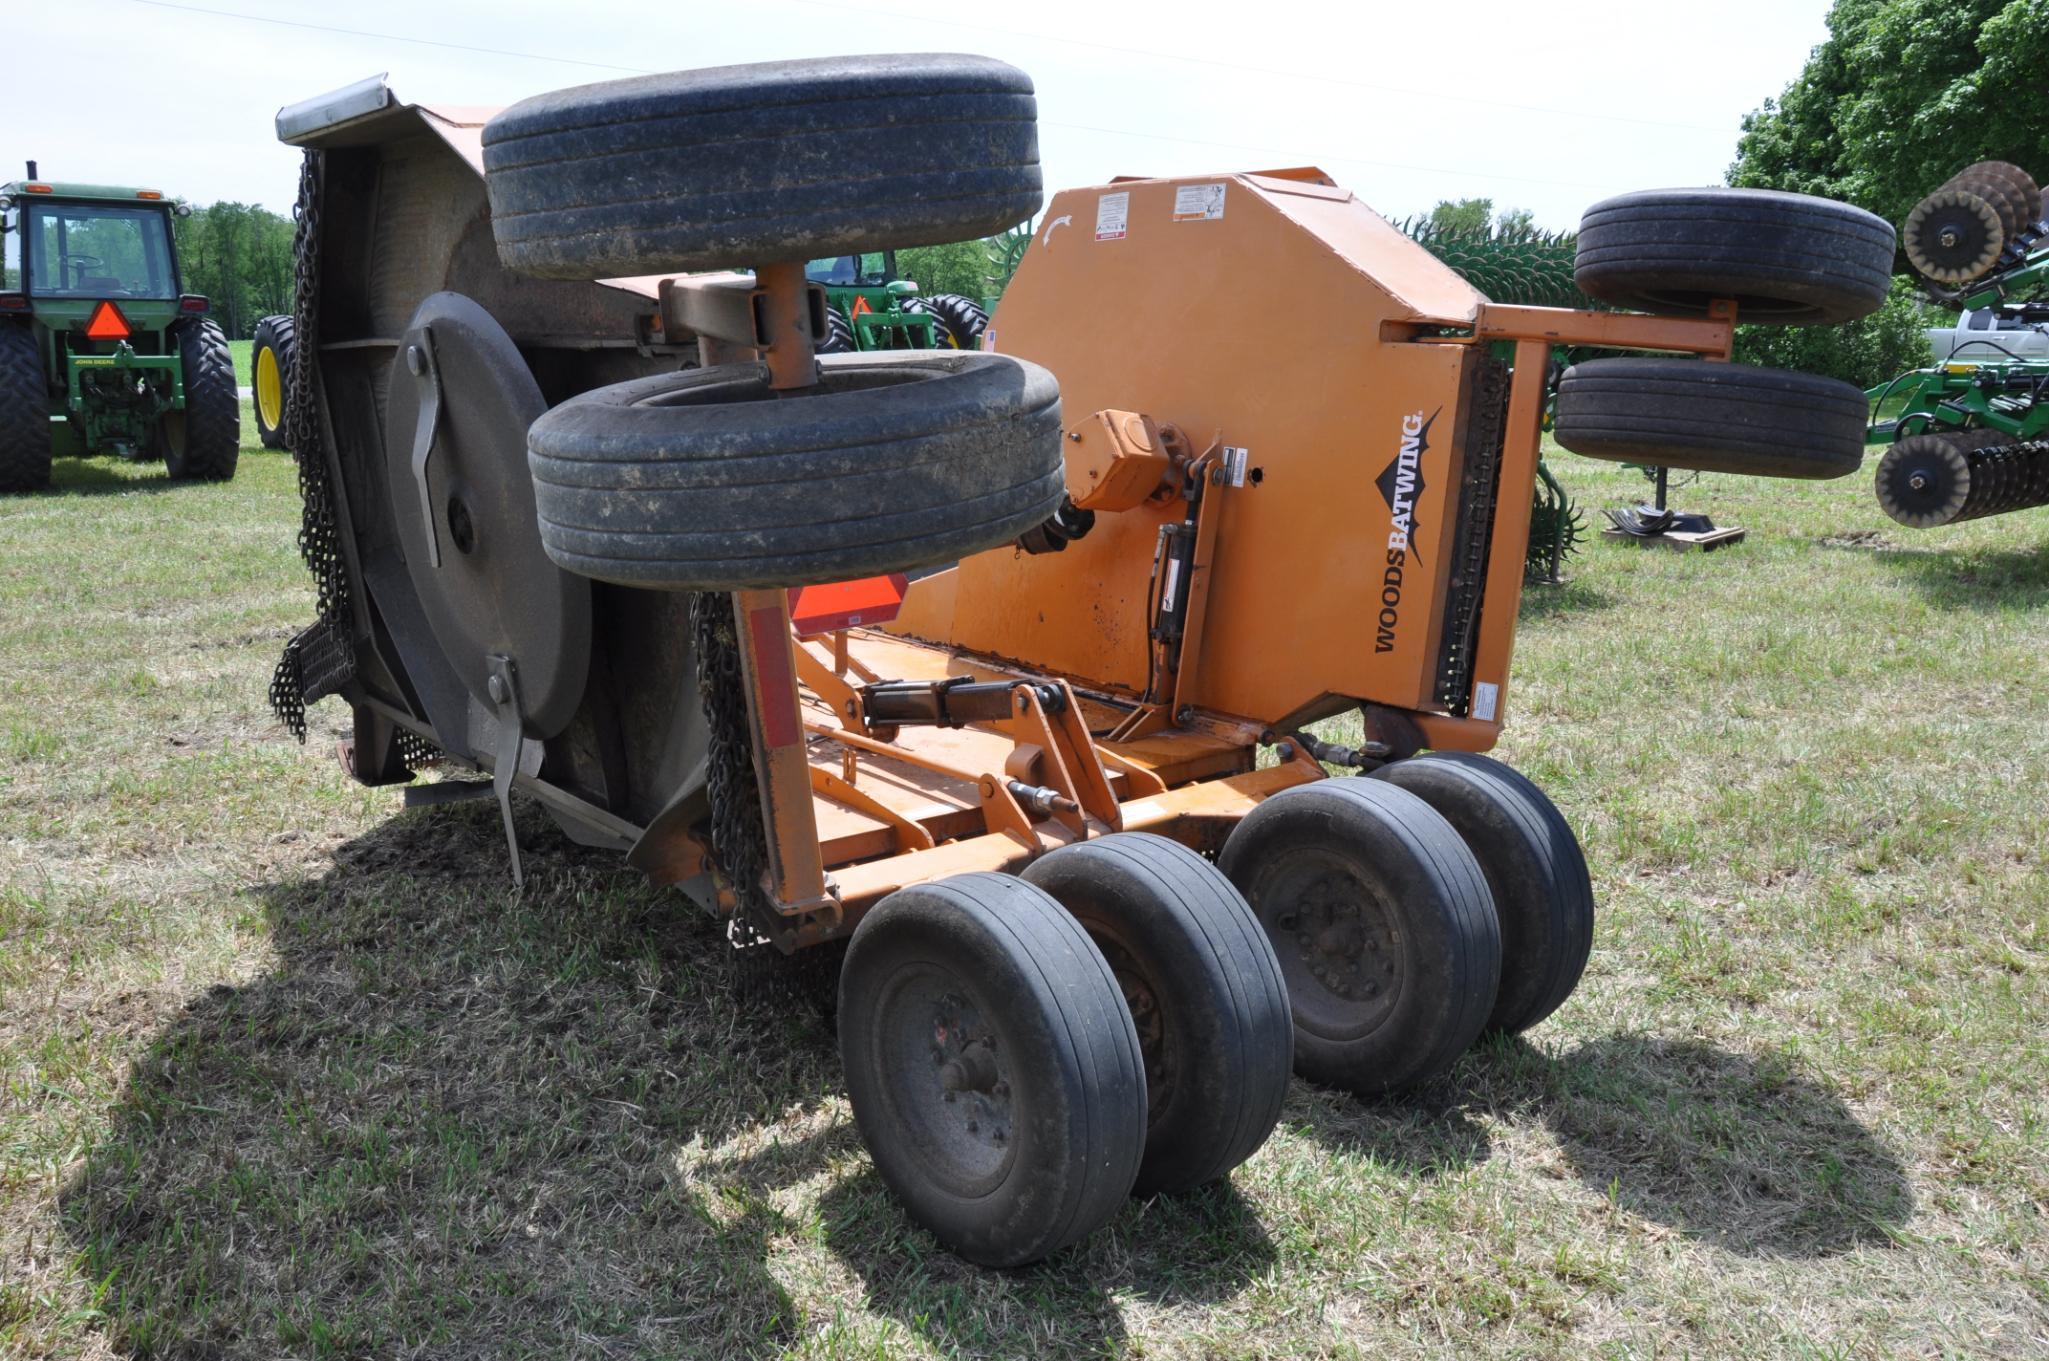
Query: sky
(1548, 107)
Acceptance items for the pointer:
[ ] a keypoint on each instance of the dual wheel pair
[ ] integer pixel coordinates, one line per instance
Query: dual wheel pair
(1024, 1053)
(1783, 259)
(715, 478)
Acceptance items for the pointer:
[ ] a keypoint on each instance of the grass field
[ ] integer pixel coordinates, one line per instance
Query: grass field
(286, 1071)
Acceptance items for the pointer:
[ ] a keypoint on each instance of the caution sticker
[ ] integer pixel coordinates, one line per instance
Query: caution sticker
(1199, 203)
(1486, 701)
(1113, 213)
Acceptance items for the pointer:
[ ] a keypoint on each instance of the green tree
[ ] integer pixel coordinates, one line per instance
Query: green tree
(1515, 222)
(1866, 352)
(1903, 95)
(240, 256)
(958, 267)
(1464, 217)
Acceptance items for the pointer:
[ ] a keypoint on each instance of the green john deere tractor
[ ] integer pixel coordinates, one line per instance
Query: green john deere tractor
(871, 307)
(100, 351)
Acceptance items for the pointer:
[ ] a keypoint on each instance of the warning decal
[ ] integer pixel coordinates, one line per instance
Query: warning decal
(1113, 211)
(1198, 203)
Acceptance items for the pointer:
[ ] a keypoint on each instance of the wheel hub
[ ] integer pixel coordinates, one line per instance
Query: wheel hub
(1343, 941)
(973, 1113)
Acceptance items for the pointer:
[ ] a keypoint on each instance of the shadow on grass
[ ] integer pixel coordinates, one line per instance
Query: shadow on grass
(1574, 596)
(1197, 1248)
(100, 477)
(1995, 580)
(449, 1118)
(1741, 1151)
(455, 1119)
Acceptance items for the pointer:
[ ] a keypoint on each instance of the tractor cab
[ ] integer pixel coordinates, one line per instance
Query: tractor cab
(97, 330)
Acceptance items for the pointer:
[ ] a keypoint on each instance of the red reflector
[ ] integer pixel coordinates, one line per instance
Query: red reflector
(13, 302)
(774, 678)
(847, 604)
(192, 302)
(107, 323)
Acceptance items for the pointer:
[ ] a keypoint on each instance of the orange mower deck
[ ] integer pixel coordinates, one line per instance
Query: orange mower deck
(1339, 552)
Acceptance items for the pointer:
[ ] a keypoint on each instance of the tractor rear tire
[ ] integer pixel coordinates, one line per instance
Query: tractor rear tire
(839, 333)
(961, 320)
(25, 448)
(1535, 871)
(271, 356)
(1204, 990)
(992, 1066)
(1718, 418)
(702, 480)
(665, 174)
(203, 442)
(1383, 924)
(1789, 259)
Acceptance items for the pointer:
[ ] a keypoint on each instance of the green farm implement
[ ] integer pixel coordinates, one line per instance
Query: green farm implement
(1970, 433)
(100, 351)
(872, 307)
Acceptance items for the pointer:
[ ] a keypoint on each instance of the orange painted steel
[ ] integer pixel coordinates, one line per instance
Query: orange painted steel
(1270, 392)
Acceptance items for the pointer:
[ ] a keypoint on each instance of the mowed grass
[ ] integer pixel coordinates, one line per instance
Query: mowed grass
(289, 1071)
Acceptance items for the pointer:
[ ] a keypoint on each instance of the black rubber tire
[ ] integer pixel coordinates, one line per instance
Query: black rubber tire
(1403, 875)
(739, 166)
(1536, 874)
(1790, 259)
(931, 971)
(1205, 993)
(839, 333)
(280, 336)
(935, 339)
(203, 442)
(1718, 418)
(25, 447)
(701, 480)
(961, 320)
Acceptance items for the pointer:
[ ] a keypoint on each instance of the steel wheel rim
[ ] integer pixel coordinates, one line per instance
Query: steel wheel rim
(269, 388)
(1338, 939)
(946, 1079)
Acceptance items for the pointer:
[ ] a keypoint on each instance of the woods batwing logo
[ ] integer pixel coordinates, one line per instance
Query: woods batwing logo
(1401, 486)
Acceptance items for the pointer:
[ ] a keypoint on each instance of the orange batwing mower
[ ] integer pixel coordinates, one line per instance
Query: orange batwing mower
(998, 665)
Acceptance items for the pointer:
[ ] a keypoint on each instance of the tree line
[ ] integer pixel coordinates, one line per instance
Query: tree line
(240, 256)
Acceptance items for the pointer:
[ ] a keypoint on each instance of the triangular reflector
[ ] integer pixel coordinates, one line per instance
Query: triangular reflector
(107, 323)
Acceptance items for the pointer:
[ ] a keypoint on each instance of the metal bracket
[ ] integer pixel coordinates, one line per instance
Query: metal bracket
(504, 685)
(420, 360)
